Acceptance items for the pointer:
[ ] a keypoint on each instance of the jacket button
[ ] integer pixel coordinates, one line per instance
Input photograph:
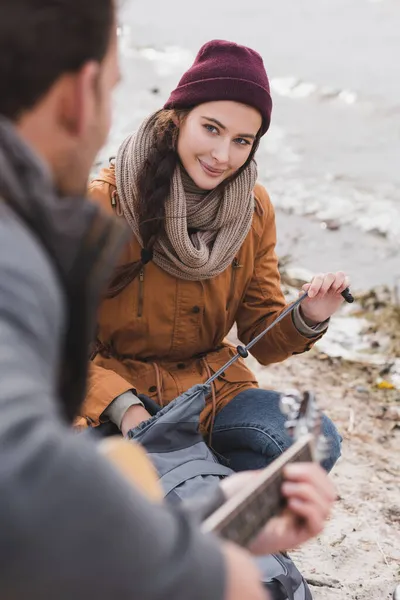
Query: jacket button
(152, 389)
(196, 310)
(181, 365)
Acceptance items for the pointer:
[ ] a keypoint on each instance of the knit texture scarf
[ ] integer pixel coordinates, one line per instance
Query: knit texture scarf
(202, 232)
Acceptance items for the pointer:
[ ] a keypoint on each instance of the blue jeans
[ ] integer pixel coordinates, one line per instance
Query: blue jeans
(249, 432)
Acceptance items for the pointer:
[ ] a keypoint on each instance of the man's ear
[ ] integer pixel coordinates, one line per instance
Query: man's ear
(79, 98)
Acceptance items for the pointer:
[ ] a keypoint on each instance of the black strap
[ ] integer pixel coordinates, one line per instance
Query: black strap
(146, 256)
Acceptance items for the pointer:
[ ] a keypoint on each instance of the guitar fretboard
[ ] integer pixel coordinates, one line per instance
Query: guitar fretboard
(242, 517)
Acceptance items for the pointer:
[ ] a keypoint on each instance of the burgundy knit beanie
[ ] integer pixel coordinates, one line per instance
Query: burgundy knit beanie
(225, 71)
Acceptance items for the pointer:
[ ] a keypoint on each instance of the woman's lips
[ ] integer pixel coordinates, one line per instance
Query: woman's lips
(210, 171)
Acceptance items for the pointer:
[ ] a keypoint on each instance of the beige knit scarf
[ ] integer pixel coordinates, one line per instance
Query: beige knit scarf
(222, 220)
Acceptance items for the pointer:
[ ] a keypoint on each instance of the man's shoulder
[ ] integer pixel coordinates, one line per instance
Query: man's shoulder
(19, 247)
(26, 272)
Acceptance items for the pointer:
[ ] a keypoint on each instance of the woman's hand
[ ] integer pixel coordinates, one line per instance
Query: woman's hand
(310, 496)
(324, 296)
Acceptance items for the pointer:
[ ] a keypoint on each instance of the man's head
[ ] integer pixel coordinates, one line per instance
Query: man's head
(58, 67)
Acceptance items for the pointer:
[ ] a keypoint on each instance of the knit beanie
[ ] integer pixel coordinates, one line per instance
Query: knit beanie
(225, 71)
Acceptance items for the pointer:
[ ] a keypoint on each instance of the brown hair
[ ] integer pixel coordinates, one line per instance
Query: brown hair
(42, 41)
(154, 186)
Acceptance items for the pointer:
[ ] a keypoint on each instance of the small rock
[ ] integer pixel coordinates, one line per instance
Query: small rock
(392, 413)
(386, 369)
(330, 225)
(393, 514)
(362, 390)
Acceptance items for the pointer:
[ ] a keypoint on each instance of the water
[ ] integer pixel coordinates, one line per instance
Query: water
(332, 152)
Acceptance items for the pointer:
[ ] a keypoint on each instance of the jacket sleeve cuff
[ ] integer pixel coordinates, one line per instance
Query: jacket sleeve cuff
(307, 330)
(118, 407)
(103, 387)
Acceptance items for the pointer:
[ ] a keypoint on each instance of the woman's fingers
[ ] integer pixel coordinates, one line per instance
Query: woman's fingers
(337, 285)
(345, 284)
(323, 283)
(315, 285)
(327, 284)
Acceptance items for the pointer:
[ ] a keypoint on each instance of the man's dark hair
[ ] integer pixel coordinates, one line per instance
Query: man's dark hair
(40, 40)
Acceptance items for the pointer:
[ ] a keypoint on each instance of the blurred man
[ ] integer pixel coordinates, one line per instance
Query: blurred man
(71, 528)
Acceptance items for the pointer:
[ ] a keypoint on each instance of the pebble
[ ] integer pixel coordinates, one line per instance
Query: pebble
(362, 389)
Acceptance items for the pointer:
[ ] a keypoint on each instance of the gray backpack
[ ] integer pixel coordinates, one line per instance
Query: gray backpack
(188, 468)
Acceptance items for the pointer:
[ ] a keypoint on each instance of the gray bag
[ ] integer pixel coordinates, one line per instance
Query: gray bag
(188, 468)
(282, 578)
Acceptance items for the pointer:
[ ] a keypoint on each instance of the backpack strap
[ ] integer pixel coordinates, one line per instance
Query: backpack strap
(188, 470)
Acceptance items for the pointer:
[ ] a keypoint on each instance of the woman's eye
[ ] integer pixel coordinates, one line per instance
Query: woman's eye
(242, 142)
(210, 128)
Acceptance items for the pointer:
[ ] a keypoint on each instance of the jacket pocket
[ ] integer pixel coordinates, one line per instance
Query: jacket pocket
(143, 375)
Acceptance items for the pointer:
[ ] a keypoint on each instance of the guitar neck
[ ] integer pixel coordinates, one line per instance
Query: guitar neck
(241, 518)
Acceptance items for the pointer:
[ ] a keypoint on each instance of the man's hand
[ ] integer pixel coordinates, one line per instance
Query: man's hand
(243, 579)
(310, 496)
(135, 415)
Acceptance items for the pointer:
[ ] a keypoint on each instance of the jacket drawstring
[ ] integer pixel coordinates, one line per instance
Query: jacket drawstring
(158, 384)
(214, 400)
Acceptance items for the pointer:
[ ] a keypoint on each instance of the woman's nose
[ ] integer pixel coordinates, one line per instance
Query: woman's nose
(221, 151)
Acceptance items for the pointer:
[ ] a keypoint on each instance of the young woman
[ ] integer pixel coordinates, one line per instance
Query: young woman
(201, 258)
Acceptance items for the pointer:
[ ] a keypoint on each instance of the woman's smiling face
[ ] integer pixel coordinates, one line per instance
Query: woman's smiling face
(215, 140)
